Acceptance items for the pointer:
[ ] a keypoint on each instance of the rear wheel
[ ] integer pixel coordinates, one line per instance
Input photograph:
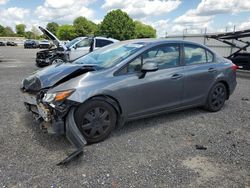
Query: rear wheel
(216, 98)
(95, 119)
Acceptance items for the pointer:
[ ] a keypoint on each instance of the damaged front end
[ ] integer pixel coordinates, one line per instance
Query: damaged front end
(56, 119)
(53, 111)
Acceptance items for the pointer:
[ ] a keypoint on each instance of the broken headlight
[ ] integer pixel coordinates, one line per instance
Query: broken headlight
(58, 96)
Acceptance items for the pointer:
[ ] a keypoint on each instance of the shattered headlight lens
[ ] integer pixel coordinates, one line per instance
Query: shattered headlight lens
(49, 97)
(58, 96)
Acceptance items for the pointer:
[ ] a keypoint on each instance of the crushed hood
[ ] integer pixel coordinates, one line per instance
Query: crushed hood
(52, 37)
(54, 75)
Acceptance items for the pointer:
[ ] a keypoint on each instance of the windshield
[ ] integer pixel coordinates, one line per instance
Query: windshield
(70, 43)
(110, 55)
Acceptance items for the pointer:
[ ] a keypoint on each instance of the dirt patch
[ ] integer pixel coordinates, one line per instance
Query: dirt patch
(206, 169)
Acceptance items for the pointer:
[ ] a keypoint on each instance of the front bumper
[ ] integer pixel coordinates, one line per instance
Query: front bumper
(42, 62)
(58, 122)
(49, 119)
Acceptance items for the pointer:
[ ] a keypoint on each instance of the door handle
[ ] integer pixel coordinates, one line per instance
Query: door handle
(212, 70)
(176, 76)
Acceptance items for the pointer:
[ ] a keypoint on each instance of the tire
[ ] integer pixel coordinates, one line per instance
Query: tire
(216, 97)
(56, 60)
(95, 119)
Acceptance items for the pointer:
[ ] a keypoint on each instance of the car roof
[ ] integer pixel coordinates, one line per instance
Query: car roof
(154, 41)
(111, 39)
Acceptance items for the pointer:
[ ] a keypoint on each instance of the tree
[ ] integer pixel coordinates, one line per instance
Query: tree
(2, 30)
(66, 32)
(117, 24)
(84, 27)
(144, 31)
(20, 29)
(29, 35)
(52, 27)
(8, 32)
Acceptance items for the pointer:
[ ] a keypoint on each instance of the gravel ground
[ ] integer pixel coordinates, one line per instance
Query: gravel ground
(153, 152)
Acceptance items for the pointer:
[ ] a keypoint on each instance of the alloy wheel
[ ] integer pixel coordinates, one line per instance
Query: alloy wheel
(96, 122)
(218, 97)
(55, 61)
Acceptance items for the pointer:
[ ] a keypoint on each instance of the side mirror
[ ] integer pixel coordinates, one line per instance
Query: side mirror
(148, 67)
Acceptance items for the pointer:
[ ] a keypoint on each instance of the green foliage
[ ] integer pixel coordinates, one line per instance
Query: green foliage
(66, 32)
(2, 30)
(52, 27)
(20, 29)
(8, 32)
(144, 31)
(117, 24)
(84, 27)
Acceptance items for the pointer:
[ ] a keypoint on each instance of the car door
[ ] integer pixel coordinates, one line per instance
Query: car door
(157, 91)
(79, 49)
(200, 73)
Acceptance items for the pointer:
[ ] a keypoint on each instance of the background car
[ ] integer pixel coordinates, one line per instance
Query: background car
(2, 43)
(11, 43)
(125, 81)
(44, 44)
(31, 44)
(71, 50)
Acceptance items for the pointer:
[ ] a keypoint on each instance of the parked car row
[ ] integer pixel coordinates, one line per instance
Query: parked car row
(37, 44)
(8, 43)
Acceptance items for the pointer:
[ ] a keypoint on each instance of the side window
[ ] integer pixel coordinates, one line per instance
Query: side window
(102, 42)
(84, 43)
(194, 54)
(166, 56)
(210, 57)
(135, 65)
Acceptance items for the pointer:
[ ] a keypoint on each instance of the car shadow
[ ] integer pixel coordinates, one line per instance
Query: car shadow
(153, 121)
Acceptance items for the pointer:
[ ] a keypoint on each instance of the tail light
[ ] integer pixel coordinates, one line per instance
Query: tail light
(234, 67)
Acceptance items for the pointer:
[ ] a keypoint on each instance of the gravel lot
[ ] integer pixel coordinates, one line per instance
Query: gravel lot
(154, 152)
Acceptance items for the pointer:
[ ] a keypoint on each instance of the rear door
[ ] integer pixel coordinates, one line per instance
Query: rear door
(199, 74)
(157, 91)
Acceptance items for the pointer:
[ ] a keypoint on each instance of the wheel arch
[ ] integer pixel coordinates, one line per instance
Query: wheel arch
(111, 100)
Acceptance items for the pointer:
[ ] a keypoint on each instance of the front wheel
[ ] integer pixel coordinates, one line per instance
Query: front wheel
(95, 119)
(216, 97)
(56, 60)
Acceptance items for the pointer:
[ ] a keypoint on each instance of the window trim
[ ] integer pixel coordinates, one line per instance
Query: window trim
(117, 73)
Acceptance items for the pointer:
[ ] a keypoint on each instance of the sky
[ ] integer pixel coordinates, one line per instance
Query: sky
(166, 16)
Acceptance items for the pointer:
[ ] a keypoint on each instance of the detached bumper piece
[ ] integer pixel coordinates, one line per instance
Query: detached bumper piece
(58, 126)
(74, 136)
